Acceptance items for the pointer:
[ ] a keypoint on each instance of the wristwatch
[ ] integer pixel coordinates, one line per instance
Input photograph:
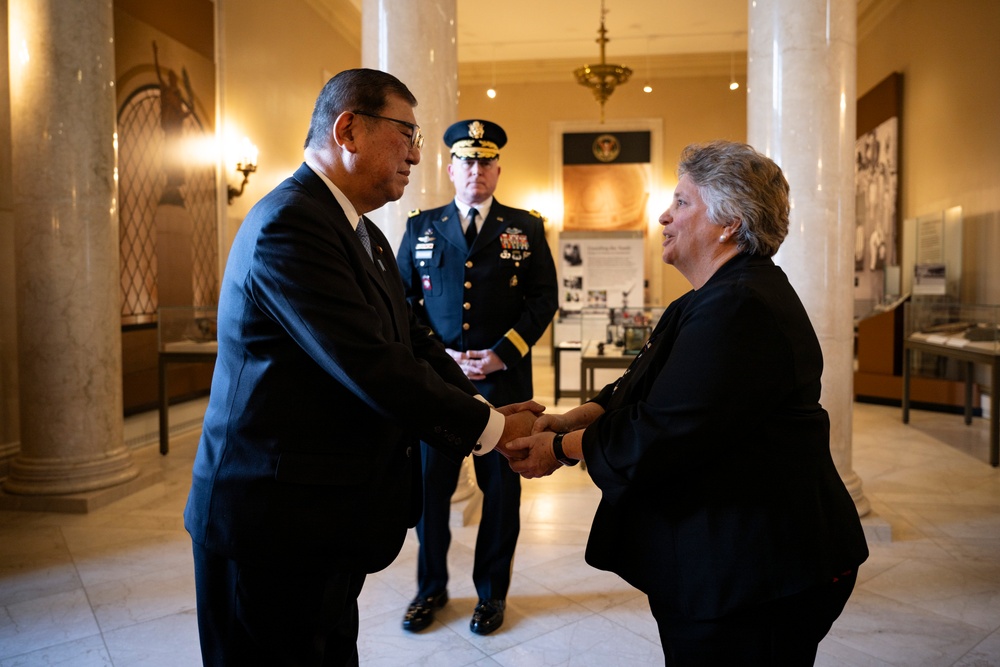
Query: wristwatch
(558, 451)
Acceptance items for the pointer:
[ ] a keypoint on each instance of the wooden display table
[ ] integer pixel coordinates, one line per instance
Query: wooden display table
(180, 352)
(590, 359)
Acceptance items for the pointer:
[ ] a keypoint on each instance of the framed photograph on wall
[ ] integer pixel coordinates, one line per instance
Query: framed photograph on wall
(876, 188)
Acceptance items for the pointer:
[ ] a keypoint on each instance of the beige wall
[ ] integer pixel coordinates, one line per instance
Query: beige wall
(692, 109)
(275, 57)
(949, 55)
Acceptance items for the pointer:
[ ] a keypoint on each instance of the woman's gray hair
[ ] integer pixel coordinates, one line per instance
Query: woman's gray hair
(738, 183)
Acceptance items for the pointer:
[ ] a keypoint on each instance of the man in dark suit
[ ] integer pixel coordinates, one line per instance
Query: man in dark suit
(480, 274)
(307, 475)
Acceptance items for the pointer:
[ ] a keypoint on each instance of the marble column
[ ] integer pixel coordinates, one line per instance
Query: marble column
(417, 42)
(9, 445)
(66, 247)
(801, 89)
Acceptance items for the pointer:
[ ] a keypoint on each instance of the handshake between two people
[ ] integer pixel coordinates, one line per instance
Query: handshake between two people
(527, 438)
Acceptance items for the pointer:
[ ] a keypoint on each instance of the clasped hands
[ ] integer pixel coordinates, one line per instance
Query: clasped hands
(527, 438)
(477, 364)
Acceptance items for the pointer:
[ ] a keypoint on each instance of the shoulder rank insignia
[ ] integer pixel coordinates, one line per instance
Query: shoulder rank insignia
(414, 212)
(535, 213)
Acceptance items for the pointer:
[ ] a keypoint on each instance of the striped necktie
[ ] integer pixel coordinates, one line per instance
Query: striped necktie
(363, 235)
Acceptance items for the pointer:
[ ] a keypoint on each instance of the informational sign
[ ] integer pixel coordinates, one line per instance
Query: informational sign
(600, 270)
(929, 272)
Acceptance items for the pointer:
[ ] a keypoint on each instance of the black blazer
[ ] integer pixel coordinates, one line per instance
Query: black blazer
(500, 294)
(713, 455)
(325, 383)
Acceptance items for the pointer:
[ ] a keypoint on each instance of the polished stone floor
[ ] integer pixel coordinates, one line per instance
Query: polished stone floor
(115, 587)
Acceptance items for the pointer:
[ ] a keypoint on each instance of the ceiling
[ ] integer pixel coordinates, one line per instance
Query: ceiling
(527, 40)
(526, 30)
(543, 30)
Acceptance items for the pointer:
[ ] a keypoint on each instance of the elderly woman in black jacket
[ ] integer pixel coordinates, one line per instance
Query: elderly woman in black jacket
(720, 499)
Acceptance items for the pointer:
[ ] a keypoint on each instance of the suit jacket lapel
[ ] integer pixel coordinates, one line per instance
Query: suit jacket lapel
(493, 226)
(449, 225)
(376, 265)
(380, 269)
(316, 188)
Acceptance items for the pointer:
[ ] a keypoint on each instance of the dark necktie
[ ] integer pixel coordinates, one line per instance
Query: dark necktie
(363, 235)
(471, 231)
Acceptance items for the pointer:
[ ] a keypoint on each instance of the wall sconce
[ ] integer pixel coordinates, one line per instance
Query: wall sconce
(246, 164)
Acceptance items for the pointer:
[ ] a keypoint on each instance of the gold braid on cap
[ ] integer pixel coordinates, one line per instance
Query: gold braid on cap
(475, 149)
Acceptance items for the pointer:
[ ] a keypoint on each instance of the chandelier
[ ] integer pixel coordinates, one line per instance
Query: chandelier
(602, 78)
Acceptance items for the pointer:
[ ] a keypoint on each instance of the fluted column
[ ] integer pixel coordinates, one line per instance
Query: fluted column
(801, 88)
(66, 247)
(417, 42)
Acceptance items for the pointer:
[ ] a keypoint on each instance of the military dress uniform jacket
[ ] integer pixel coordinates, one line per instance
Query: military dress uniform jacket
(501, 294)
(325, 384)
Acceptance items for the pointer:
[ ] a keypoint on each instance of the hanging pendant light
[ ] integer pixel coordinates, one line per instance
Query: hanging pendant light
(602, 78)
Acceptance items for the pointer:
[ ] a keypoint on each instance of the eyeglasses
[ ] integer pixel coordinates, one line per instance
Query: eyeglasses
(416, 138)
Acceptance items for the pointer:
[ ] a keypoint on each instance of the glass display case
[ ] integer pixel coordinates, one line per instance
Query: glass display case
(949, 340)
(954, 325)
(187, 329)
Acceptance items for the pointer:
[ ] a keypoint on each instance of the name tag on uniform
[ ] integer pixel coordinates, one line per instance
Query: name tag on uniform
(423, 254)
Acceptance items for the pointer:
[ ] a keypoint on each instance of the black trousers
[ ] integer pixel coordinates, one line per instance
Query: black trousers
(498, 527)
(280, 616)
(786, 631)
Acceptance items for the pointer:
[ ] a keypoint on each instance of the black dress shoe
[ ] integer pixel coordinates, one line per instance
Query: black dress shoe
(420, 613)
(488, 616)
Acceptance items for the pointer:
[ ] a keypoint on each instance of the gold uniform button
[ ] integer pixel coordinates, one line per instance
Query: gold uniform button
(468, 265)
(467, 305)
(465, 327)
(468, 285)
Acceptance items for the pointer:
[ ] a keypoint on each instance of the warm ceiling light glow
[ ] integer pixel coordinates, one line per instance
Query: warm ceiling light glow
(492, 91)
(733, 84)
(647, 88)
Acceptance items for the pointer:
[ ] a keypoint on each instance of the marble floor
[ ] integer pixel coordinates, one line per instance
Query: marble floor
(115, 587)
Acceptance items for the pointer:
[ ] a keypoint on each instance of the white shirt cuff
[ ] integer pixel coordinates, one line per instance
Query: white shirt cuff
(494, 431)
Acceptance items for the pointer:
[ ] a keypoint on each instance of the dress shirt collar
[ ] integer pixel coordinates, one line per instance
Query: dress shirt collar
(345, 203)
(483, 208)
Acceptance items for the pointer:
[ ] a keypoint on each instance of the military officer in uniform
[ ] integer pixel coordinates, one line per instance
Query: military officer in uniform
(481, 276)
